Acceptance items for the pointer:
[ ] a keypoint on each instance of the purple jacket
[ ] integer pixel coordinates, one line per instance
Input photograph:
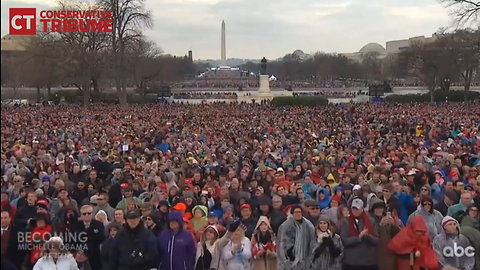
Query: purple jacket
(177, 251)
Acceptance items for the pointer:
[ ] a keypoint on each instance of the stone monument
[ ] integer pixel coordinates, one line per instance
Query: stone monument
(264, 91)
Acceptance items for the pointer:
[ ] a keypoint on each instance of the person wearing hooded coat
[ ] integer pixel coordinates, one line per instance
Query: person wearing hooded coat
(199, 222)
(264, 248)
(176, 245)
(470, 227)
(209, 251)
(450, 237)
(413, 247)
(323, 198)
(328, 249)
(432, 217)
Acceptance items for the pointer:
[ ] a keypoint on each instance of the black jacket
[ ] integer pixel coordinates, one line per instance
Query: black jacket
(23, 214)
(441, 207)
(14, 253)
(134, 249)
(95, 235)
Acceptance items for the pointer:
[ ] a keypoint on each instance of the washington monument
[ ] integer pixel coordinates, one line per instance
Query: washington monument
(224, 52)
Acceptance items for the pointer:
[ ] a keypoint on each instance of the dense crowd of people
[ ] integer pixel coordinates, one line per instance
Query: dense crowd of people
(240, 186)
(205, 95)
(332, 94)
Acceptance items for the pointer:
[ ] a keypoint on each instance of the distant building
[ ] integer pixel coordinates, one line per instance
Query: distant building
(371, 48)
(392, 47)
(397, 46)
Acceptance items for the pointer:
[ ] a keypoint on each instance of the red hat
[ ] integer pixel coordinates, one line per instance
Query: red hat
(124, 185)
(245, 205)
(187, 181)
(180, 207)
(453, 173)
(336, 198)
(43, 202)
(163, 186)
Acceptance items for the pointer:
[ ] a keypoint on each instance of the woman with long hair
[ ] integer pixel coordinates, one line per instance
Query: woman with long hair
(264, 248)
(55, 256)
(326, 253)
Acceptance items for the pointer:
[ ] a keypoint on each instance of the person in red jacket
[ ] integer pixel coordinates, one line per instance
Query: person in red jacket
(40, 233)
(413, 247)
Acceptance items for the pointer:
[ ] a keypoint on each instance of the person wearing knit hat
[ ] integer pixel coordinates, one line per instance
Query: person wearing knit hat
(328, 247)
(55, 256)
(447, 243)
(432, 217)
(312, 211)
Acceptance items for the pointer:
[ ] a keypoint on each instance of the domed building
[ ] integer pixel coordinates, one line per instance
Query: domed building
(372, 48)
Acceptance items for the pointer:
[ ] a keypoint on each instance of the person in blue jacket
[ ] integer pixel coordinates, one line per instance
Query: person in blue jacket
(176, 245)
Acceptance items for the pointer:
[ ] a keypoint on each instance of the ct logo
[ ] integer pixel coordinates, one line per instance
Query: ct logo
(23, 21)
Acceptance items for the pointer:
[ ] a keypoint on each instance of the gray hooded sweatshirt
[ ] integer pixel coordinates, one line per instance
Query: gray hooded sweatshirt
(448, 247)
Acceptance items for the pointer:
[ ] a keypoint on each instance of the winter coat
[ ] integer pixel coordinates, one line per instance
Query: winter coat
(264, 261)
(95, 235)
(277, 217)
(295, 236)
(444, 240)
(215, 251)
(469, 228)
(242, 260)
(455, 209)
(177, 249)
(199, 223)
(358, 251)
(433, 221)
(329, 259)
(64, 262)
(250, 225)
(406, 204)
(134, 249)
(323, 204)
(386, 257)
(405, 243)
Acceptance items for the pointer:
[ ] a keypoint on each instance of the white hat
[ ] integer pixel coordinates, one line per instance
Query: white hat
(280, 169)
(357, 203)
(357, 187)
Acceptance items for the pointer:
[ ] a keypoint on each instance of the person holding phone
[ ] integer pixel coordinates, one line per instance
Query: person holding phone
(387, 228)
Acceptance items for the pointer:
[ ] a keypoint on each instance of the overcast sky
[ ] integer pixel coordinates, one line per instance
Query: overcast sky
(273, 28)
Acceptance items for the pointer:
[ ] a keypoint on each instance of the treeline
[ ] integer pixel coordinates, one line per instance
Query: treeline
(93, 62)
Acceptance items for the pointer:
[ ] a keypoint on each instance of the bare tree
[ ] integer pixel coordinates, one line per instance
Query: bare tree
(128, 16)
(467, 46)
(82, 52)
(464, 11)
(143, 58)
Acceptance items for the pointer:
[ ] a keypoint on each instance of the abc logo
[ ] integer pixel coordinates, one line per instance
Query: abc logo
(23, 21)
(457, 251)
